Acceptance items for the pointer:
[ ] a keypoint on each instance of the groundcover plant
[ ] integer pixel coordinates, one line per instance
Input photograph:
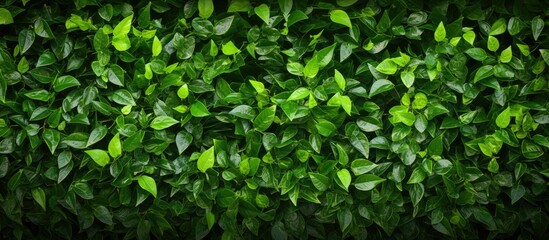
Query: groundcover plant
(245, 119)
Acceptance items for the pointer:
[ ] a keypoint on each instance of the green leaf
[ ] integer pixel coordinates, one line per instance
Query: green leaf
(362, 166)
(229, 48)
(5, 17)
(265, 118)
(493, 43)
(46, 59)
(147, 183)
(115, 146)
(64, 82)
(198, 109)
(367, 182)
(537, 25)
(469, 37)
(156, 47)
(101, 157)
(340, 17)
(123, 27)
(435, 146)
(263, 12)
(243, 111)
(52, 139)
(206, 160)
(325, 55)
(506, 55)
(320, 181)
(325, 127)
(387, 66)
(477, 53)
(340, 80)
(440, 32)
(26, 40)
(298, 94)
(380, 86)
(183, 91)
(205, 8)
(123, 97)
(545, 55)
(163, 122)
(103, 214)
(504, 118)
(39, 195)
(121, 42)
(98, 133)
(498, 27)
(483, 72)
(239, 6)
(407, 78)
(311, 68)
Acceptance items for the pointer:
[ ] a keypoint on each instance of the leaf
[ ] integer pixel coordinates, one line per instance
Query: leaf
(147, 183)
(206, 160)
(52, 139)
(265, 118)
(311, 68)
(103, 214)
(325, 55)
(123, 97)
(407, 78)
(183, 91)
(205, 8)
(498, 27)
(345, 177)
(64, 82)
(506, 55)
(123, 27)
(545, 55)
(325, 127)
(339, 79)
(483, 72)
(367, 182)
(26, 40)
(163, 122)
(435, 146)
(387, 66)
(243, 111)
(198, 109)
(183, 140)
(156, 47)
(99, 156)
(340, 17)
(115, 146)
(39, 196)
(493, 43)
(440, 32)
(263, 12)
(5, 17)
(361, 143)
(98, 133)
(298, 94)
(504, 118)
(537, 27)
(320, 181)
(46, 59)
(362, 166)
(477, 53)
(380, 86)
(229, 48)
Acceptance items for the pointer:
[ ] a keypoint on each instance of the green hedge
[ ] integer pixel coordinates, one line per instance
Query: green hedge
(245, 119)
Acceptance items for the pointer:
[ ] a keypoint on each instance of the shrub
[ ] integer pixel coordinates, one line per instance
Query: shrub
(277, 119)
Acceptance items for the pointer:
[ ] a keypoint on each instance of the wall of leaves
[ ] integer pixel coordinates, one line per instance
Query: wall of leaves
(247, 119)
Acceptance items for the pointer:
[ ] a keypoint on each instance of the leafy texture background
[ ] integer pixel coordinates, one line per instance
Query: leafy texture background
(243, 119)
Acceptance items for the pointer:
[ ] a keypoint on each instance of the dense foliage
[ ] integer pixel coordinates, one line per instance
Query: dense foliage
(241, 119)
